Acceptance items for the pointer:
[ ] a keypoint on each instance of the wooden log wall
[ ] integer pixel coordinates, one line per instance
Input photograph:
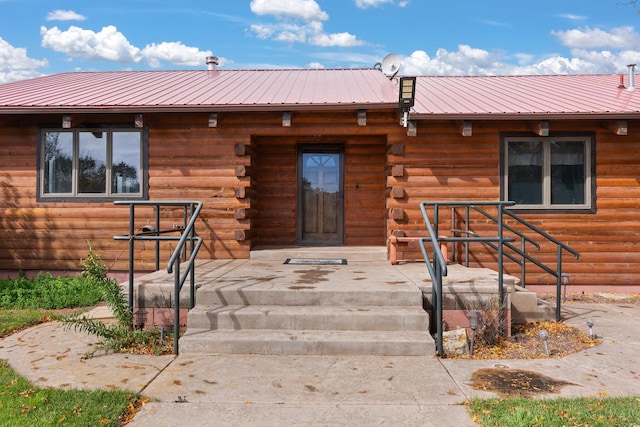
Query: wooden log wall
(189, 157)
(441, 164)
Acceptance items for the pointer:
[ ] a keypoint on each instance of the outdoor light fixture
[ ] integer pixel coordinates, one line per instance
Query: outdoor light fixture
(141, 318)
(590, 326)
(407, 97)
(544, 336)
(474, 320)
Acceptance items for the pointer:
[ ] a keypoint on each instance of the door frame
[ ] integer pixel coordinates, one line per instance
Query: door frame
(330, 148)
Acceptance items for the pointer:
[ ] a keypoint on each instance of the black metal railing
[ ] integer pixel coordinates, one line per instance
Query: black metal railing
(155, 232)
(504, 238)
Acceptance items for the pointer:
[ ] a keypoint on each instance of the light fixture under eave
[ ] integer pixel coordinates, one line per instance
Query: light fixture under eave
(406, 98)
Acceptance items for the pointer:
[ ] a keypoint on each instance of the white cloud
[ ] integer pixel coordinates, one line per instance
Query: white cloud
(175, 53)
(307, 10)
(16, 65)
(64, 15)
(311, 32)
(472, 61)
(335, 39)
(593, 38)
(315, 65)
(363, 4)
(108, 44)
(572, 17)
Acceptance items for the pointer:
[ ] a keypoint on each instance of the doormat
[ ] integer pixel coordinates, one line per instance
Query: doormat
(316, 261)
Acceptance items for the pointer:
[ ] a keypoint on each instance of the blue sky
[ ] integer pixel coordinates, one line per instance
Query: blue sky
(463, 37)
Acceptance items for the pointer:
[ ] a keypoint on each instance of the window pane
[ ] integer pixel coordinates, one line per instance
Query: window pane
(567, 172)
(125, 163)
(58, 162)
(525, 171)
(92, 167)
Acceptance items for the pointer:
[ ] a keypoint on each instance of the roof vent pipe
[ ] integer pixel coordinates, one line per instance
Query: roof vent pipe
(632, 84)
(212, 63)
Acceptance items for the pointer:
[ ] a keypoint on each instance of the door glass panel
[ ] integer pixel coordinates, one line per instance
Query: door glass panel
(321, 197)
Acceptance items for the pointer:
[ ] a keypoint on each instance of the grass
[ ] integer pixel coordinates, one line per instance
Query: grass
(22, 404)
(26, 302)
(48, 292)
(15, 320)
(519, 411)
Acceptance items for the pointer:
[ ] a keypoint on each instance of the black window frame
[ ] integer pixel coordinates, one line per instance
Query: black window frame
(590, 173)
(88, 197)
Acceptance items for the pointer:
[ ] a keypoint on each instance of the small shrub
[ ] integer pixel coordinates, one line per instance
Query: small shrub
(117, 337)
(491, 327)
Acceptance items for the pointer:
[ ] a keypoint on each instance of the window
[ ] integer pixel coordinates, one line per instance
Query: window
(548, 172)
(91, 163)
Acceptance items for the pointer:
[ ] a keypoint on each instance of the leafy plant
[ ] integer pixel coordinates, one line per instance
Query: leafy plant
(48, 292)
(116, 336)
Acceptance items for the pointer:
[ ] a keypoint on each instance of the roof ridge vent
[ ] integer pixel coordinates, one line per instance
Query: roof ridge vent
(632, 84)
(212, 63)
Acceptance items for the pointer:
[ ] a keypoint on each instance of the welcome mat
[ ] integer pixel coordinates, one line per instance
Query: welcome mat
(316, 261)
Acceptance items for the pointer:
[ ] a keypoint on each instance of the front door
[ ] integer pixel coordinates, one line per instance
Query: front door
(320, 195)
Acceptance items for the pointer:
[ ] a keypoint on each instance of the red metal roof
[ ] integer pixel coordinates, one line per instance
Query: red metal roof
(201, 90)
(500, 97)
(495, 97)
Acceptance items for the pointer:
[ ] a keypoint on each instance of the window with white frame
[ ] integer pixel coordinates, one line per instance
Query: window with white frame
(548, 172)
(91, 163)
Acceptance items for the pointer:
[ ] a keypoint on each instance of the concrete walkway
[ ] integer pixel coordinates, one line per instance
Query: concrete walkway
(250, 390)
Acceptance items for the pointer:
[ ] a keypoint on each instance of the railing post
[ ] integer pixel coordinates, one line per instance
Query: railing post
(176, 309)
(523, 247)
(131, 252)
(559, 284)
(157, 209)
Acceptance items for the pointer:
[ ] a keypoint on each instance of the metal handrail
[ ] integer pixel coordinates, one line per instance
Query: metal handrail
(498, 243)
(191, 210)
(436, 271)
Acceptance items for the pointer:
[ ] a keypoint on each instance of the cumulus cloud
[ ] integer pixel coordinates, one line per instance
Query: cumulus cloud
(64, 15)
(15, 64)
(108, 44)
(594, 38)
(291, 30)
(307, 10)
(175, 53)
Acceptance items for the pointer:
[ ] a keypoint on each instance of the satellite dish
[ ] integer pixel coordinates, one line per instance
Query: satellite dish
(390, 65)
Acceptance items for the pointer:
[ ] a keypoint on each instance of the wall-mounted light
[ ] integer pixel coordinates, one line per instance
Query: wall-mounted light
(66, 121)
(138, 121)
(407, 96)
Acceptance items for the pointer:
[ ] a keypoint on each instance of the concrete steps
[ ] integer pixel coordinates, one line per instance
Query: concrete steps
(267, 307)
(303, 342)
(527, 307)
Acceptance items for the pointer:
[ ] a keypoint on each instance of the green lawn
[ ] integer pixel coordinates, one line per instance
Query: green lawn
(22, 404)
(591, 412)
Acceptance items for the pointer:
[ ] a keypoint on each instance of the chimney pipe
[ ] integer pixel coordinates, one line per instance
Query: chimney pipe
(632, 85)
(212, 63)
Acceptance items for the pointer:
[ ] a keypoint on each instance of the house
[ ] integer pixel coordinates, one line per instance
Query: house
(255, 146)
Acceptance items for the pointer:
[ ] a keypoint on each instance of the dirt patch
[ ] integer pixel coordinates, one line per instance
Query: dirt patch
(515, 382)
(525, 343)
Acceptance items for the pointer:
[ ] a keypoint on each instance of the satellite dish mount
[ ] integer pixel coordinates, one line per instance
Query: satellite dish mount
(390, 65)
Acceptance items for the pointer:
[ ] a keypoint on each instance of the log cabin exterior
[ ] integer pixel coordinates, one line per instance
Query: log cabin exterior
(255, 147)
